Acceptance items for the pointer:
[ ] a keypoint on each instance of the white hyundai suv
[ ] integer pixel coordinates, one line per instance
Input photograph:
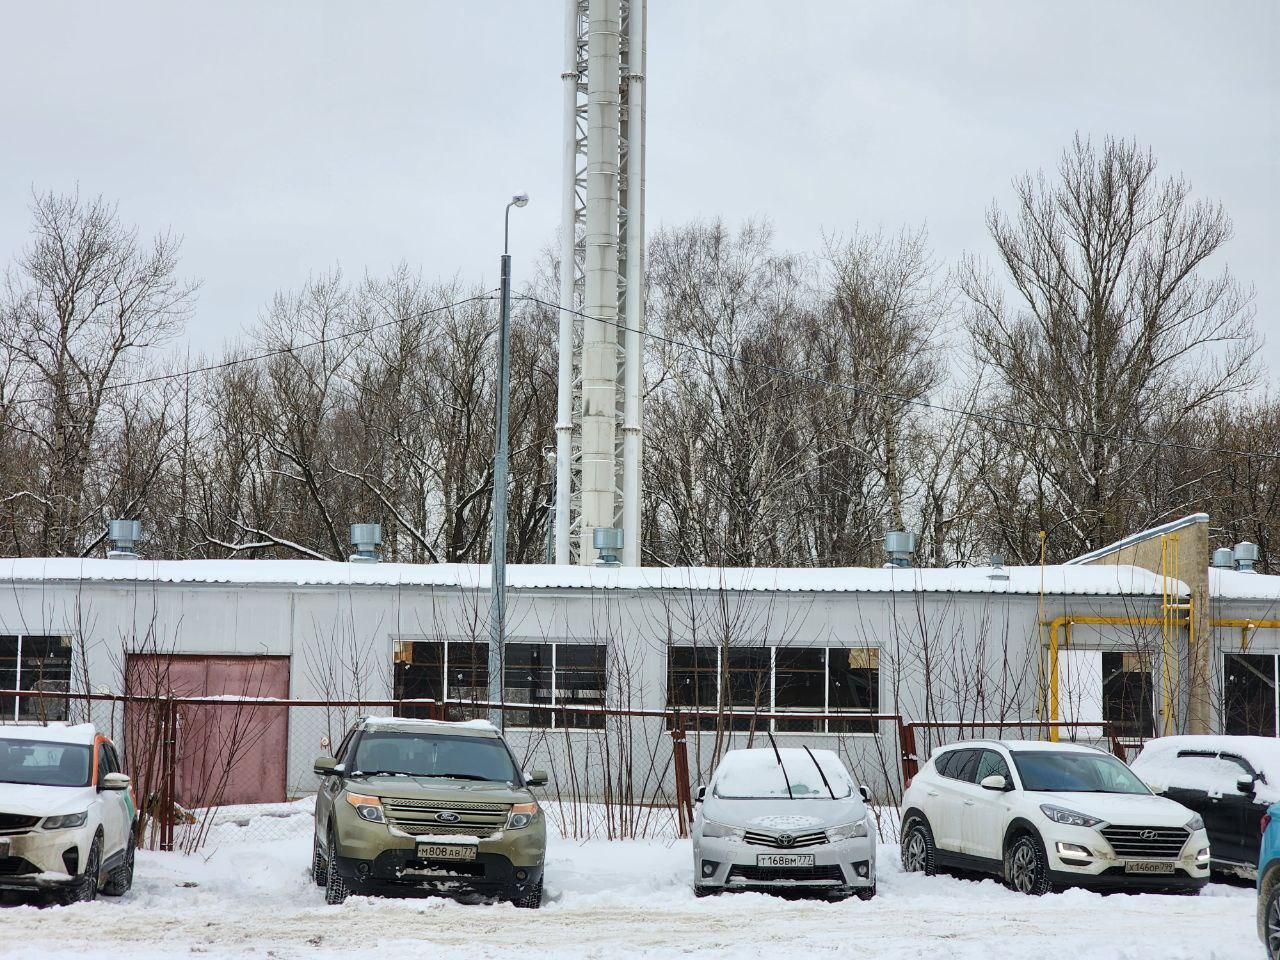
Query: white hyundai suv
(1044, 815)
(66, 815)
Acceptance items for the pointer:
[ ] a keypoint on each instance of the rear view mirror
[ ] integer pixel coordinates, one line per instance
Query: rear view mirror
(537, 778)
(866, 793)
(994, 782)
(700, 795)
(324, 766)
(115, 781)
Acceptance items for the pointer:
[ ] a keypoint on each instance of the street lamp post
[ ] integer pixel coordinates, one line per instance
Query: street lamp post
(498, 558)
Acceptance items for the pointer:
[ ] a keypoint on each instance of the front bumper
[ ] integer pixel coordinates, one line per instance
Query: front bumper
(41, 860)
(1103, 869)
(373, 858)
(733, 865)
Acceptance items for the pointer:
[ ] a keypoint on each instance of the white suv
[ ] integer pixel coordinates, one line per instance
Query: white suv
(66, 816)
(1045, 815)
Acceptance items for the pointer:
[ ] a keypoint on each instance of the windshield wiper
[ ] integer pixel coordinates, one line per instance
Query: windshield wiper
(454, 776)
(379, 773)
(785, 779)
(825, 782)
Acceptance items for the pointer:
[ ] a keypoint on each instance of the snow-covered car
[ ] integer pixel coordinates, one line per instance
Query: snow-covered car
(66, 814)
(1044, 815)
(788, 818)
(1229, 781)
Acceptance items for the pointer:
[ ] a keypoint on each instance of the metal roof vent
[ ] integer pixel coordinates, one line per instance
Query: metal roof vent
(366, 538)
(998, 572)
(898, 548)
(1246, 555)
(123, 535)
(1224, 558)
(608, 542)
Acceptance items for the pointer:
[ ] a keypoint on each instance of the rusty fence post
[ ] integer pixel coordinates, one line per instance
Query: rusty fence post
(680, 759)
(907, 746)
(165, 800)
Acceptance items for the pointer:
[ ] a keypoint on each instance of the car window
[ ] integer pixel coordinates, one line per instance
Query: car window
(433, 755)
(38, 762)
(990, 764)
(103, 766)
(1051, 771)
(1214, 772)
(965, 766)
(113, 758)
(342, 747)
(943, 763)
(762, 774)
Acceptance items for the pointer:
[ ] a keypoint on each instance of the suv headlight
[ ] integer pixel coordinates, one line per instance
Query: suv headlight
(1194, 824)
(722, 831)
(1068, 818)
(847, 831)
(66, 821)
(367, 808)
(521, 815)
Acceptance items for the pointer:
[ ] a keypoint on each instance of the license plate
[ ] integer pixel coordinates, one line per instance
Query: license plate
(1148, 866)
(445, 851)
(784, 860)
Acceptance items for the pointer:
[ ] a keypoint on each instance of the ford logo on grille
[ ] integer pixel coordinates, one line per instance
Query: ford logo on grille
(1148, 834)
(786, 840)
(447, 816)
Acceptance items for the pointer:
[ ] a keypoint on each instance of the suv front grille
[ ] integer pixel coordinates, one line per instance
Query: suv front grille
(421, 817)
(16, 822)
(16, 867)
(1148, 843)
(809, 838)
(830, 873)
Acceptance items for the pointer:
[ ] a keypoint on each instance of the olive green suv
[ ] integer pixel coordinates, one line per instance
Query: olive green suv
(426, 807)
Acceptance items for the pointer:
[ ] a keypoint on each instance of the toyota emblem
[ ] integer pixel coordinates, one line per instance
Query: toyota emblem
(1148, 834)
(447, 816)
(786, 840)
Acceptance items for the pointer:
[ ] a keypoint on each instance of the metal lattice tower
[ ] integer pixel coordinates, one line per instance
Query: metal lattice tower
(599, 431)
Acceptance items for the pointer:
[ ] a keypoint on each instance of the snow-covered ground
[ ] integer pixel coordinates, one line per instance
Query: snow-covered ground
(248, 898)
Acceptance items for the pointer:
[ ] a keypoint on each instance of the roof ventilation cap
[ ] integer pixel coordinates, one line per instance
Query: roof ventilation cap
(898, 548)
(1224, 558)
(366, 538)
(122, 537)
(607, 541)
(998, 572)
(1246, 555)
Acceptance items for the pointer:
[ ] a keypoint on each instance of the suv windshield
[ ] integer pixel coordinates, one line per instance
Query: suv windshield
(433, 755)
(1050, 772)
(40, 763)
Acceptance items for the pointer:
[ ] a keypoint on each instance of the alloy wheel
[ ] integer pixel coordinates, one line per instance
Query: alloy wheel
(916, 852)
(1022, 871)
(1273, 928)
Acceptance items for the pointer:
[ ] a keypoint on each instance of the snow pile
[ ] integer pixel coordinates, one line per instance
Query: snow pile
(1160, 767)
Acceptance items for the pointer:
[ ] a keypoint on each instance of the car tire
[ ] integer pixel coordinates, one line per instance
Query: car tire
(319, 865)
(1271, 923)
(86, 886)
(701, 892)
(1026, 868)
(531, 900)
(121, 878)
(336, 890)
(919, 854)
(866, 893)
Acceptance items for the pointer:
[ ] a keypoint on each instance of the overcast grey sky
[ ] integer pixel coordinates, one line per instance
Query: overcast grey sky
(283, 138)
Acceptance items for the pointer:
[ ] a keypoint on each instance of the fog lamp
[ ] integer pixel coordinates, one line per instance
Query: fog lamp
(861, 870)
(708, 868)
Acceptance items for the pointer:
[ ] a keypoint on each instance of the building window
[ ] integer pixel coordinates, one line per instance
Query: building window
(1249, 694)
(39, 664)
(1128, 695)
(775, 680)
(546, 674)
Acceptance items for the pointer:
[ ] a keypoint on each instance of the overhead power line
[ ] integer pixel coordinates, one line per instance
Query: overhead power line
(863, 390)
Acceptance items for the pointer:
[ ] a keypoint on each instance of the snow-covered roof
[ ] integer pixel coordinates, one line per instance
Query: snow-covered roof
(1142, 535)
(1022, 746)
(1160, 766)
(437, 726)
(1110, 580)
(50, 732)
(1239, 585)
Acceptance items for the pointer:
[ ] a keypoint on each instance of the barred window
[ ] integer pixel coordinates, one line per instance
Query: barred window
(36, 663)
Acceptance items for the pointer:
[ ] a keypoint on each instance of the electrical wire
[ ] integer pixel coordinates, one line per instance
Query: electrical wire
(866, 391)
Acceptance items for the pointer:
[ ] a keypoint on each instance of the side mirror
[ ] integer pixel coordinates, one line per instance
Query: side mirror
(537, 778)
(700, 795)
(994, 782)
(325, 766)
(115, 781)
(865, 791)
(1247, 785)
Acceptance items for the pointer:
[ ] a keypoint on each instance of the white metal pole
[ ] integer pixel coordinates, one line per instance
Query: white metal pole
(633, 376)
(568, 269)
(599, 338)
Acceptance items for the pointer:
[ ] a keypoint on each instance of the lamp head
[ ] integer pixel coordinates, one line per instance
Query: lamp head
(520, 199)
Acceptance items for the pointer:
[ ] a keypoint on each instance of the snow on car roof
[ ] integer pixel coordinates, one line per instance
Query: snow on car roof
(50, 732)
(1023, 746)
(1062, 580)
(439, 726)
(1160, 767)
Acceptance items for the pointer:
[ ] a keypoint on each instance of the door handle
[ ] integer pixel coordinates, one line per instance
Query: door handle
(931, 793)
(968, 803)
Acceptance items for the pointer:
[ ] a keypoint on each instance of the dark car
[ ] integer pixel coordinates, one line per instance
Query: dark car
(1229, 781)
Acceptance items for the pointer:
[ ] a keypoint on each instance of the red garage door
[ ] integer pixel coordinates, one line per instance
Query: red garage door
(232, 752)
